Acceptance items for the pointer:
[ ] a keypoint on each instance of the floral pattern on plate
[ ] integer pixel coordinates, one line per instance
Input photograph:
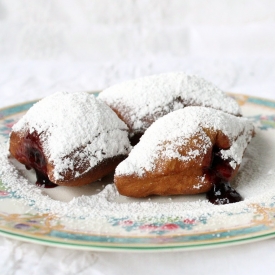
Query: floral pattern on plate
(257, 221)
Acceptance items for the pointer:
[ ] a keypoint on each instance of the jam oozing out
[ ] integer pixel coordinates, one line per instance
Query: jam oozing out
(43, 180)
(223, 193)
(220, 173)
(31, 154)
(135, 139)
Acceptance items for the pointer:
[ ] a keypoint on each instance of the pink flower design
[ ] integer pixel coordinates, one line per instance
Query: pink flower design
(188, 221)
(169, 226)
(4, 193)
(126, 223)
(9, 125)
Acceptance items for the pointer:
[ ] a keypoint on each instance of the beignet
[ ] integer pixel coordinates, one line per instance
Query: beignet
(70, 139)
(142, 101)
(185, 152)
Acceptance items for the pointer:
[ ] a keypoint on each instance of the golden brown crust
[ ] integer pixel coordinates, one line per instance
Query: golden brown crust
(102, 169)
(174, 184)
(15, 143)
(174, 176)
(16, 148)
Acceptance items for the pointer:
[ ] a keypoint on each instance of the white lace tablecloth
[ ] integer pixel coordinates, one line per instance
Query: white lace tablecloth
(48, 46)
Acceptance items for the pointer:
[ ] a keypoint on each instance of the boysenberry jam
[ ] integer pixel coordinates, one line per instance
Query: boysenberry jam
(31, 154)
(43, 180)
(135, 139)
(223, 193)
(220, 173)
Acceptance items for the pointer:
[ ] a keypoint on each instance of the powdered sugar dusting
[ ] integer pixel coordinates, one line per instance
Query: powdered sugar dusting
(146, 99)
(66, 122)
(254, 186)
(171, 132)
(84, 210)
(254, 182)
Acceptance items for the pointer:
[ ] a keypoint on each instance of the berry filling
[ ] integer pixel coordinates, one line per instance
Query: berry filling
(31, 155)
(223, 193)
(220, 173)
(135, 139)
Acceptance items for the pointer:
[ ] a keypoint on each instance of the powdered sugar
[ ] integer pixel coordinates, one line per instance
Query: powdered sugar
(253, 181)
(169, 133)
(66, 122)
(143, 100)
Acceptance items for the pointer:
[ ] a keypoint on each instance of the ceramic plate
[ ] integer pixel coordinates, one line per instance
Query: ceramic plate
(193, 228)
